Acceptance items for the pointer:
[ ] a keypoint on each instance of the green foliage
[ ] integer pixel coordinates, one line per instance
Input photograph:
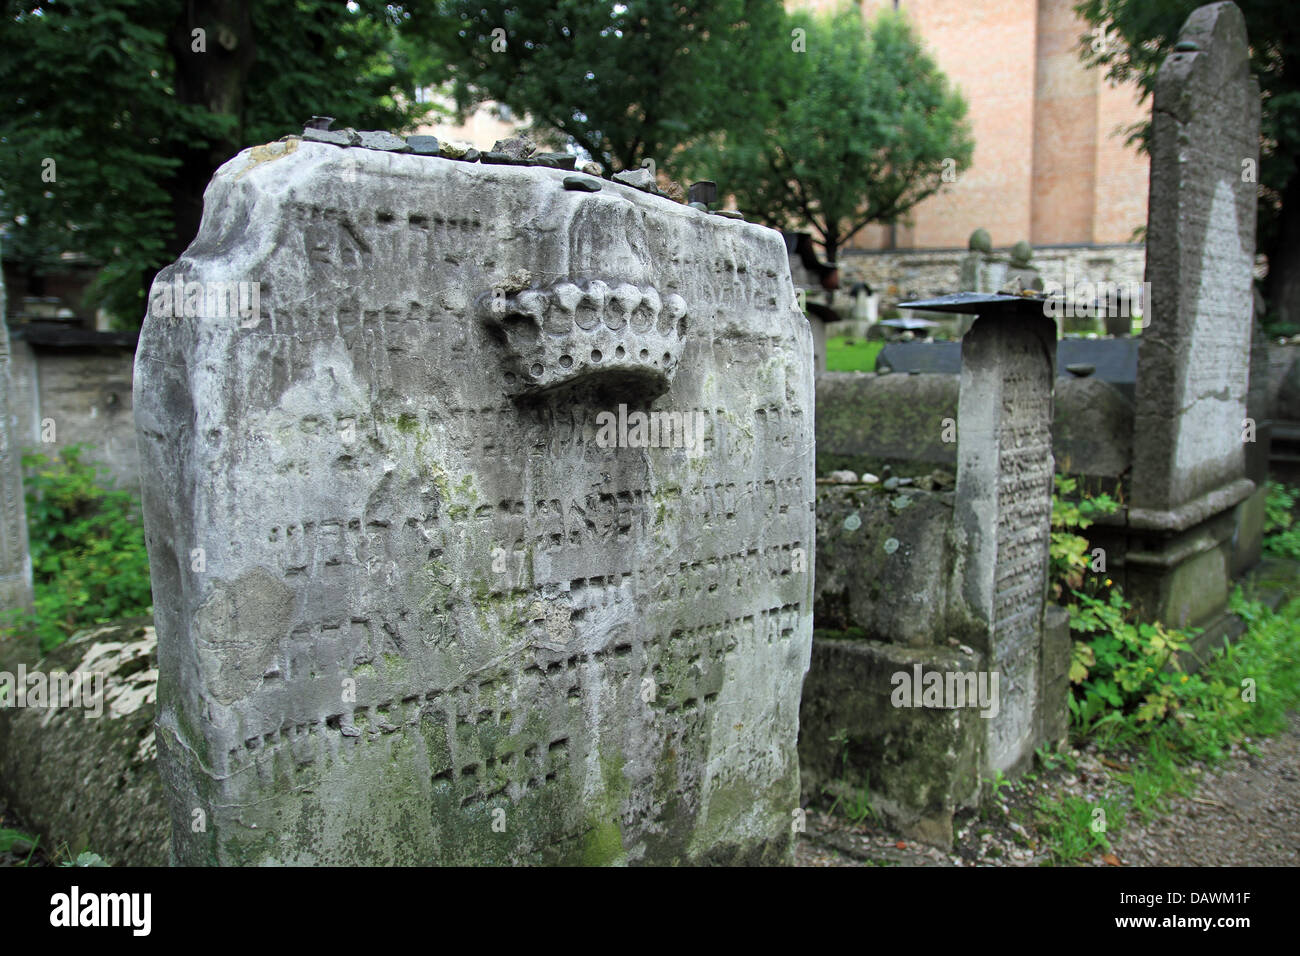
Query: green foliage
(97, 86)
(1125, 667)
(1281, 533)
(1244, 690)
(625, 81)
(1071, 559)
(857, 129)
(89, 561)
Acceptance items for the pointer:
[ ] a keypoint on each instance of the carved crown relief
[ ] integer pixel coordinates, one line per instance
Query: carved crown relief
(623, 336)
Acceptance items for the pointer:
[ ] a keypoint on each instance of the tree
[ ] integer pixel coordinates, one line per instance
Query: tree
(117, 113)
(625, 82)
(1131, 39)
(862, 126)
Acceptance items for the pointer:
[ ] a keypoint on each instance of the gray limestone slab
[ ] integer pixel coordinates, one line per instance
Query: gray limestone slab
(1194, 364)
(15, 556)
(488, 538)
(1003, 510)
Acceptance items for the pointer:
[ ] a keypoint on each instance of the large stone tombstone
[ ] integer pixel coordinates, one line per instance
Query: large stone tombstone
(15, 558)
(1194, 364)
(412, 607)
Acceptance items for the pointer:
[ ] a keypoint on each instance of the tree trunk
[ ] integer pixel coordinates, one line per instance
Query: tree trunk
(213, 78)
(1284, 259)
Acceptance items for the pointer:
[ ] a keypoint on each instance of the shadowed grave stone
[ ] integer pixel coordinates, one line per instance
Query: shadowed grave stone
(15, 559)
(487, 538)
(1003, 505)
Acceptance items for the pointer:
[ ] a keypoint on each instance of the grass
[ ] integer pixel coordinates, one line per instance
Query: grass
(851, 355)
(1075, 828)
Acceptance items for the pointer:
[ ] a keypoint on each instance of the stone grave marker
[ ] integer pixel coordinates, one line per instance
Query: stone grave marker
(486, 537)
(1193, 371)
(1003, 508)
(15, 558)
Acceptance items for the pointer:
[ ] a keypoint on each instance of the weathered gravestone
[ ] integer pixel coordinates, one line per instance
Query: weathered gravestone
(411, 605)
(1003, 509)
(1189, 458)
(15, 559)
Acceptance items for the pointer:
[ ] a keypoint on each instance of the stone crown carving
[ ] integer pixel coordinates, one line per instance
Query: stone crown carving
(619, 335)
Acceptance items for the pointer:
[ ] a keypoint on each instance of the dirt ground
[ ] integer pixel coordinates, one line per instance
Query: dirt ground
(1244, 813)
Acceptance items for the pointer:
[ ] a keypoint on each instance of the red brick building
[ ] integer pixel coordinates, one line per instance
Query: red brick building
(1050, 164)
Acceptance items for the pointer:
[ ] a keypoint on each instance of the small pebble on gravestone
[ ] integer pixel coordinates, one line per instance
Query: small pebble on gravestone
(869, 479)
(637, 179)
(497, 158)
(700, 206)
(424, 145)
(891, 483)
(581, 184)
(592, 169)
(336, 137)
(1186, 46)
(728, 214)
(454, 149)
(319, 122)
(844, 477)
(515, 148)
(383, 140)
(556, 160)
(1080, 370)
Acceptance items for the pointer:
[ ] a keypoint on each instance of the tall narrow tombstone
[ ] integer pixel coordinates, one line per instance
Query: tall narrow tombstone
(15, 558)
(1194, 365)
(487, 536)
(1189, 478)
(1003, 509)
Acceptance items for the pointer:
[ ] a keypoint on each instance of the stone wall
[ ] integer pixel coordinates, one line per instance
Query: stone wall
(86, 393)
(867, 421)
(903, 275)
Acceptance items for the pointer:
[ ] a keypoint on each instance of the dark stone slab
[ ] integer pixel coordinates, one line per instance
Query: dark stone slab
(1113, 360)
(335, 137)
(424, 145)
(383, 140)
(497, 158)
(582, 184)
(556, 160)
(61, 336)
